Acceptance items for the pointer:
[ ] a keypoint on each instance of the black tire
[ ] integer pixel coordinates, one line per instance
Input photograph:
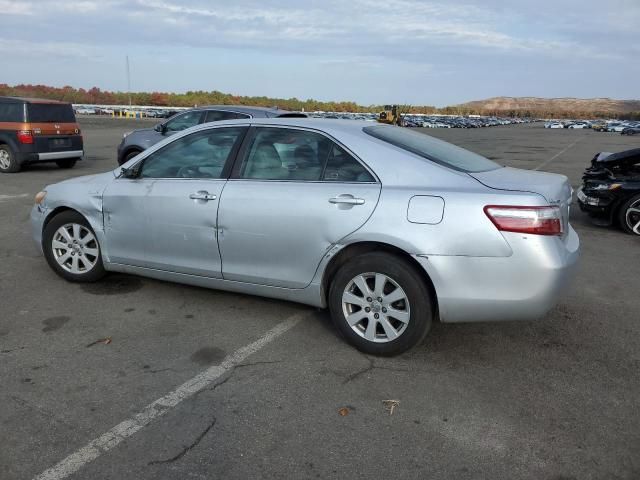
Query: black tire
(70, 218)
(627, 222)
(405, 276)
(130, 155)
(66, 162)
(10, 157)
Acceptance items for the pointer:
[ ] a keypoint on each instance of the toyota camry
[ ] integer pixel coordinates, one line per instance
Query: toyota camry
(388, 228)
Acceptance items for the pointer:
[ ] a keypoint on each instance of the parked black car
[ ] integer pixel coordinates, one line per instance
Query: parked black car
(610, 191)
(631, 130)
(135, 142)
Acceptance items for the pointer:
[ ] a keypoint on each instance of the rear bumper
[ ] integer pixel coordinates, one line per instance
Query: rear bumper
(523, 286)
(45, 157)
(32, 157)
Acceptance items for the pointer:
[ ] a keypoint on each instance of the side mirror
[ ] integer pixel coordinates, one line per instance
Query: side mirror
(131, 173)
(161, 127)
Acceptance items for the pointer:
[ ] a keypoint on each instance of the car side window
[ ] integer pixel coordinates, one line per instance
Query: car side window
(219, 115)
(286, 154)
(342, 167)
(184, 121)
(199, 155)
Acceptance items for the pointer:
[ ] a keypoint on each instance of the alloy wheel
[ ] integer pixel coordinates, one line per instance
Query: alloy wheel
(5, 161)
(632, 217)
(376, 307)
(75, 248)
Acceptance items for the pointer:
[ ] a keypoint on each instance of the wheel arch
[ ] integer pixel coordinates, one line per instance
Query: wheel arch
(58, 210)
(130, 149)
(359, 248)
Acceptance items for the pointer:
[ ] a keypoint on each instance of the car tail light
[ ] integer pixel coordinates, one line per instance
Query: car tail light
(534, 220)
(25, 136)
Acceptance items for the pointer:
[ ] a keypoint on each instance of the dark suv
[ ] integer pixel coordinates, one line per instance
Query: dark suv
(135, 142)
(33, 130)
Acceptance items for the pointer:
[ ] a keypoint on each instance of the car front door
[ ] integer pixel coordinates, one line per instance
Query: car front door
(165, 218)
(292, 195)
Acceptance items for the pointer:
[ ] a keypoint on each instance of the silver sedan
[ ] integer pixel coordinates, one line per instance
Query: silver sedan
(388, 228)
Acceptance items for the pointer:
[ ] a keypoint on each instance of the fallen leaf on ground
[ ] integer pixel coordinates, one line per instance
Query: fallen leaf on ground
(106, 341)
(343, 412)
(390, 405)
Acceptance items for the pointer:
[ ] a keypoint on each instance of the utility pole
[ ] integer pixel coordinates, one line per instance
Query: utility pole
(128, 81)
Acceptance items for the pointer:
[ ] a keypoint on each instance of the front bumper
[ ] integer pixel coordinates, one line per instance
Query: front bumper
(37, 217)
(523, 286)
(596, 204)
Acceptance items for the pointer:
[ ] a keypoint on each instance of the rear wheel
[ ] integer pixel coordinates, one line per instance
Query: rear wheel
(381, 304)
(72, 249)
(66, 163)
(8, 161)
(629, 215)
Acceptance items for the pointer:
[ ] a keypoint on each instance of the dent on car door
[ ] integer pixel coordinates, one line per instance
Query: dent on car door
(166, 219)
(293, 194)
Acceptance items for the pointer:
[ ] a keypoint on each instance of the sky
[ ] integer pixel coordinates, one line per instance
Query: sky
(369, 51)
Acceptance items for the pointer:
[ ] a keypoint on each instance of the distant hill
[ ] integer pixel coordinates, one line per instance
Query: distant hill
(554, 106)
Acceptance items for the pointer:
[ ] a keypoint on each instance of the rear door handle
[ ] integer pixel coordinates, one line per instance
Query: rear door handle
(202, 195)
(346, 200)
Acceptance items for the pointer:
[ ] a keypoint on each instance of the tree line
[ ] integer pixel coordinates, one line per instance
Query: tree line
(96, 96)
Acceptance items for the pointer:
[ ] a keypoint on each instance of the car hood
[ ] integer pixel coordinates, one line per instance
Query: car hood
(99, 178)
(625, 158)
(553, 187)
(141, 130)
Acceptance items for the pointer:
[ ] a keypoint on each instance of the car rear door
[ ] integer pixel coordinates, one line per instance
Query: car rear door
(166, 218)
(292, 195)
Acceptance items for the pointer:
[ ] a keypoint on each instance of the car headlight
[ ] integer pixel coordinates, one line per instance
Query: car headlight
(40, 196)
(126, 134)
(607, 186)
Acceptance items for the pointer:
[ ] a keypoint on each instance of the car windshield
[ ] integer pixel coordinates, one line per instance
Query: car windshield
(432, 149)
(50, 113)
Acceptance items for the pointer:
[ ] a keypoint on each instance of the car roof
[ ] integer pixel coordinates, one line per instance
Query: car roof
(30, 100)
(335, 127)
(255, 111)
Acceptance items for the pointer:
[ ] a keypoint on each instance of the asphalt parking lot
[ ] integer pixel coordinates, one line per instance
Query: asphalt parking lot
(551, 399)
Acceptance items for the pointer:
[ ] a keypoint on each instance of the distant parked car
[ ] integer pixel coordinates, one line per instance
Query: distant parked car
(631, 130)
(578, 125)
(387, 227)
(34, 131)
(139, 140)
(556, 125)
(610, 191)
(86, 111)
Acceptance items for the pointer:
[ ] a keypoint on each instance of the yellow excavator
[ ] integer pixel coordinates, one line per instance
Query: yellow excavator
(391, 115)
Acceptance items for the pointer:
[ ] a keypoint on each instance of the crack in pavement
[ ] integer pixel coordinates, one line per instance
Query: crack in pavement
(372, 366)
(189, 447)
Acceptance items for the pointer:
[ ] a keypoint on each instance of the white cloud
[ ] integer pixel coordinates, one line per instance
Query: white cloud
(16, 7)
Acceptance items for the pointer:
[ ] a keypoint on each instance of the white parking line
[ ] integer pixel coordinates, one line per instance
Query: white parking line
(10, 197)
(547, 162)
(127, 428)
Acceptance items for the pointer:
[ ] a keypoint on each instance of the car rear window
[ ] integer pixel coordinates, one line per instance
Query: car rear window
(11, 112)
(432, 149)
(50, 113)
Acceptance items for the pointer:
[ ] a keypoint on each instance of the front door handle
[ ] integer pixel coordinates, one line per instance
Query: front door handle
(202, 195)
(346, 199)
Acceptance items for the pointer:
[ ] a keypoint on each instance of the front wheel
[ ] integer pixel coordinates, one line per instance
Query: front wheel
(381, 304)
(66, 163)
(129, 156)
(629, 215)
(72, 249)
